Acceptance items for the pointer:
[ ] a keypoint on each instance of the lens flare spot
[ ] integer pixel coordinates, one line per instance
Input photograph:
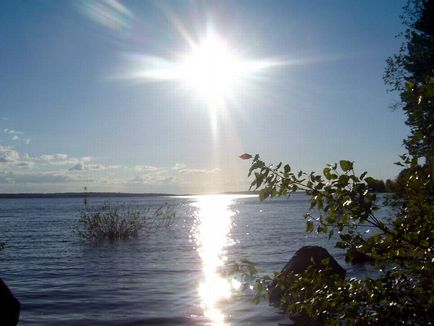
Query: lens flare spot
(108, 13)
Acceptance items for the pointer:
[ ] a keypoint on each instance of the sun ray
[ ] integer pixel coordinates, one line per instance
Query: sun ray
(214, 72)
(211, 70)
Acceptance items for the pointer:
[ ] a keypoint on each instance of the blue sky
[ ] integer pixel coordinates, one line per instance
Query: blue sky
(71, 117)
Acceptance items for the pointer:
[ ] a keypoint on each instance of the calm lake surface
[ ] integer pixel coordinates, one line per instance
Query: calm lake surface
(172, 277)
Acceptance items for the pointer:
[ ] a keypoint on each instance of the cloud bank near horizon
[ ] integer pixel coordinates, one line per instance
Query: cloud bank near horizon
(60, 172)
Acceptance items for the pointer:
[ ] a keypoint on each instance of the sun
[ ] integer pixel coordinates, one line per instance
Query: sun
(212, 70)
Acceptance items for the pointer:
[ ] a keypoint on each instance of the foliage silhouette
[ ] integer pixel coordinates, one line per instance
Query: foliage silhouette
(411, 72)
(401, 248)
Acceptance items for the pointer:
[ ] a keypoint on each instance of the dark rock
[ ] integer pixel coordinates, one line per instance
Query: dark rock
(302, 259)
(9, 306)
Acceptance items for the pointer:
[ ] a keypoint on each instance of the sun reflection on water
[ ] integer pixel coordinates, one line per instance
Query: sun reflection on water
(212, 236)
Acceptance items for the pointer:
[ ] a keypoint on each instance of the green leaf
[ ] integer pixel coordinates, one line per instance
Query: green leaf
(327, 173)
(346, 165)
(345, 237)
(343, 180)
(341, 245)
(409, 86)
(370, 181)
(245, 156)
(309, 226)
(263, 194)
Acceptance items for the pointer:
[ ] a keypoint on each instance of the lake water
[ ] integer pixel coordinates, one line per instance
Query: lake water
(171, 277)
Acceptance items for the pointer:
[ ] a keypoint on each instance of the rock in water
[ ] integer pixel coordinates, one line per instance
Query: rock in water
(302, 259)
(9, 306)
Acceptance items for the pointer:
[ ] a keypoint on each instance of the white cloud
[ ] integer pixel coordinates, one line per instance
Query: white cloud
(147, 168)
(97, 166)
(50, 177)
(54, 157)
(8, 154)
(200, 171)
(113, 166)
(15, 134)
(179, 166)
(62, 159)
(24, 164)
(154, 179)
(45, 171)
(86, 167)
(46, 157)
(12, 132)
(183, 169)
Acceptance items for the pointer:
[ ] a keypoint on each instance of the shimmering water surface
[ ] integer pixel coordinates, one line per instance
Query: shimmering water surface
(172, 277)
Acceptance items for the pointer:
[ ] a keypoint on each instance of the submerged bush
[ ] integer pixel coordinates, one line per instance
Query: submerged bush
(110, 223)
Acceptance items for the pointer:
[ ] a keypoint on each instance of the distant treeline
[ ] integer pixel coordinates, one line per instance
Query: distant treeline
(103, 194)
(396, 185)
(81, 195)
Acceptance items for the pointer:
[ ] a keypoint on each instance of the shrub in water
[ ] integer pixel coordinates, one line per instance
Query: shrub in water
(109, 223)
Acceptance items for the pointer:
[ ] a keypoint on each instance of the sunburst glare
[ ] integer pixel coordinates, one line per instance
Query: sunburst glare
(211, 70)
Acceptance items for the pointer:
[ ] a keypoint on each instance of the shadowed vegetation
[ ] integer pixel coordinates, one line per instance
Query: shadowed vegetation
(400, 287)
(400, 246)
(109, 223)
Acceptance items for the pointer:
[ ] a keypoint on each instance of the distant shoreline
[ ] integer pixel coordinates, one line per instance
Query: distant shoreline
(80, 195)
(100, 194)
